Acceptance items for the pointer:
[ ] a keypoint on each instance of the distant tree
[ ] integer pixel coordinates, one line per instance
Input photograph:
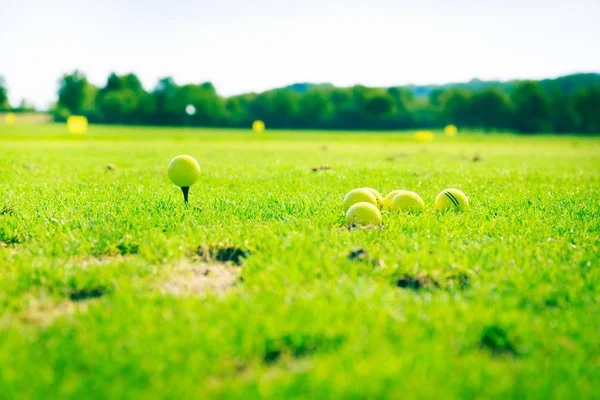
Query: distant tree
(209, 106)
(131, 81)
(284, 108)
(244, 115)
(124, 100)
(113, 83)
(351, 108)
(235, 112)
(169, 101)
(261, 107)
(453, 107)
(587, 106)
(532, 108)
(340, 96)
(3, 94)
(60, 114)
(118, 106)
(491, 108)
(379, 103)
(564, 117)
(314, 108)
(566, 104)
(343, 107)
(166, 86)
(277, 108)
(75, 93)
(571, 84)
(163, 96)
(404, 107)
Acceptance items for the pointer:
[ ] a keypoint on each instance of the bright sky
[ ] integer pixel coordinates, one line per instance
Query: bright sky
(253, 45)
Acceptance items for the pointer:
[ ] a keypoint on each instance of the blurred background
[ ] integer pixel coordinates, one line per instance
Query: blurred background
(528, 66)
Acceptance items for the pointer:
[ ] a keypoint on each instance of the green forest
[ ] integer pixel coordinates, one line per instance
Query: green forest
(562, 105)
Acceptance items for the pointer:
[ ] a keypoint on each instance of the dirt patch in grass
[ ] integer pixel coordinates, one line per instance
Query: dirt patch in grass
(416, 282)
(9, 238)
(361, 255)
(358, 255)
(320, 168)
(87, 293)
(396, 156)
(222, 253)
(497, 340)
(45, 313)
(434, 279)
(126, 246)
(194, 279)
(29, 117)
(354, 227)
(461, 279)
(100, 260)
(6, 210)
(297, 345)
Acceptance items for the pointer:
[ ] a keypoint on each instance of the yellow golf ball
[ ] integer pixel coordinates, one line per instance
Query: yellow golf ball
(377, 196)
(363, 214)
(450, 130)
(407, 201)
(388, 199)
(258, 126)
(184, 171)
(451, 199)
(359, 196)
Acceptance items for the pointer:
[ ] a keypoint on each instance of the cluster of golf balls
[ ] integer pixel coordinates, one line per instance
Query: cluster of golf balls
(362, 206)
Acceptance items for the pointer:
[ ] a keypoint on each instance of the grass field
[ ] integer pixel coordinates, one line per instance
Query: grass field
(111, 288)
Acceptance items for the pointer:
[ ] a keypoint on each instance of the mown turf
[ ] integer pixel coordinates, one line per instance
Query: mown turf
(500, 301)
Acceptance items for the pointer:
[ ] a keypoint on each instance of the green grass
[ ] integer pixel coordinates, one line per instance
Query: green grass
(500, 301)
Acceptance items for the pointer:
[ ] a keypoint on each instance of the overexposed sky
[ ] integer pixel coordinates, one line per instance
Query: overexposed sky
(253, 45)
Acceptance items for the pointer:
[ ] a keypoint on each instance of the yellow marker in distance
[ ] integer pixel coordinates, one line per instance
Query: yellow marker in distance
(77, 125)
(10, 119)
(424, 136)
(258, 126)
(450, 130)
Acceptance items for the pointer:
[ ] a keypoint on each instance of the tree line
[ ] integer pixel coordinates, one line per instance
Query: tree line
(566, 104)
